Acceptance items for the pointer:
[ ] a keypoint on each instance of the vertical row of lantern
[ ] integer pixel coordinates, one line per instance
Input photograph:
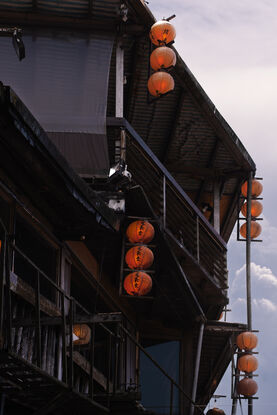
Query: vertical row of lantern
(256, 209)
(139, 258)
(247, 363)
(162, 35)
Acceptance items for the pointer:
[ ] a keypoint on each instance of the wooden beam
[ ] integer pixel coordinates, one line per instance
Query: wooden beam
(37, 19)
(82, 362)
(24, 290)
(57, 321)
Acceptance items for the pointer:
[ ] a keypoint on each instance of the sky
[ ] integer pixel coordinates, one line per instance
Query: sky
(231, 48)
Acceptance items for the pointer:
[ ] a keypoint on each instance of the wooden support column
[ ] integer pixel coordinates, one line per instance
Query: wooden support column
(119, 79)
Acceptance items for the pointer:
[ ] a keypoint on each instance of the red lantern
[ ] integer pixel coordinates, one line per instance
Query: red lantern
(257, 188)
(160, 83)
(83, 332)
(247, 387)
(162, 58)
(215, 411)
(139, 257)
(255, 230)
(256, 208)
(248, 363)
(140, 231)
(138, 283)
(247, 340)
(162, 33)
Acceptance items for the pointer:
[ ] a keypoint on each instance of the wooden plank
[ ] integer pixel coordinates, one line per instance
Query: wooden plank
(85, 366)
(24, 290)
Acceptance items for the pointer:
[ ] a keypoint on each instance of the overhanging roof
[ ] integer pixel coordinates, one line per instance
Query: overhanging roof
(32, 160)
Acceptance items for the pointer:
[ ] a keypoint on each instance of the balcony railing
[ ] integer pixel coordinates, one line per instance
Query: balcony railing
(182, 221)
(36, 335)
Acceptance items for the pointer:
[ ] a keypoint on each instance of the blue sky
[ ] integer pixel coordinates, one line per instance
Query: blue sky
(231, 48)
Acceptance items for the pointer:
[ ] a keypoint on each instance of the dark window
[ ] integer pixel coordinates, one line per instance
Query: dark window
(155, 387)
(40, 252)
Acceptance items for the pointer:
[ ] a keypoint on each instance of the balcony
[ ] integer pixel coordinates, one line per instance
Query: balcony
(200, 250)
(40, 366)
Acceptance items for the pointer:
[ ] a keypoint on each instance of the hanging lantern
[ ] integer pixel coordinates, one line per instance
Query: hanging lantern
(255, 229)
(248, 363)
(162, 58)
(83, 332)
(247, 387)
(138, 283)
(257, 188)
(256, 208)
(140, 231)
(162, 33)
(160, 83)
(139, 257)
(247, 340)
(215, 411)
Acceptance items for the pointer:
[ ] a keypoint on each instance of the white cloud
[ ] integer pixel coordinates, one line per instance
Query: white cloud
(265, 304)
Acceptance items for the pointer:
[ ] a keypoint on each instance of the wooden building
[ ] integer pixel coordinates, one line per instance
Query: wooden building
(84, 152)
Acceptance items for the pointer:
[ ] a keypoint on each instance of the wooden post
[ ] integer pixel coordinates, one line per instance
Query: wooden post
(119, 79)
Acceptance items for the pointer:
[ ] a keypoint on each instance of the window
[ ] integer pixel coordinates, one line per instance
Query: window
(40, 252)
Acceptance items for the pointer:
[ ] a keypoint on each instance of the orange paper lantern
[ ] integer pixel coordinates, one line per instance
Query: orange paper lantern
(247, 340)
(162, 33)
(138, 283)
(83, 332)
(140, 231)
(247, 387)
(162, 58)
(160, 83)
(257, 188)
(139, 257)
(215, 411)
(256, 208)
(248, 363)
(255, 229)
